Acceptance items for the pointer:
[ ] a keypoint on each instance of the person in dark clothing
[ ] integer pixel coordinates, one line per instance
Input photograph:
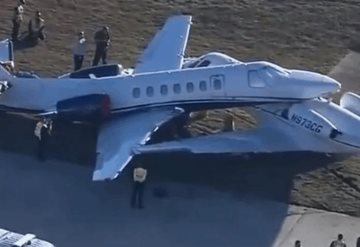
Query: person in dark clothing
(102, 40)
(36, 27)
(297, 243)
(358, 242)
(339, 242)
(139, 177)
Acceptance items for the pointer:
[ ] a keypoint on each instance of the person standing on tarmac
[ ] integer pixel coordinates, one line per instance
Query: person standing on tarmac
(102, 40)
(36, 27)
(339, 242)
(42, 132)
(139, 177)
(17, 20)
(79, 50)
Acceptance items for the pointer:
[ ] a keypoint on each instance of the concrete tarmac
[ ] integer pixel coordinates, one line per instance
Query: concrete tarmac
(58, 202)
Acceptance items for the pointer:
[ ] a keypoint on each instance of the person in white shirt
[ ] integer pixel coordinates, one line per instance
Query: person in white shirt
(139, 177)
(79, 50)
(17, 20)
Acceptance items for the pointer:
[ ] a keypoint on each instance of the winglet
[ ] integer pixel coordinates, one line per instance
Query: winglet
(167, 49)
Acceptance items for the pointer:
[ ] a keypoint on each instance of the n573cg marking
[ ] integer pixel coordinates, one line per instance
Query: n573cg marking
(308, 124)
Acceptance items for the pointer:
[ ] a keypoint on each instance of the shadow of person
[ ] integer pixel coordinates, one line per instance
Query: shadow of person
(25, 42)
(267, 179)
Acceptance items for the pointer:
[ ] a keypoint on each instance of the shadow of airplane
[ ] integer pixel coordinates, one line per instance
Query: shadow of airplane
(261, 176)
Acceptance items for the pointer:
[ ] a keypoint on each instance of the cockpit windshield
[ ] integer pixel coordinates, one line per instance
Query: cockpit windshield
(265, 75)
(200, 63)
(194, 64)
(271, 72)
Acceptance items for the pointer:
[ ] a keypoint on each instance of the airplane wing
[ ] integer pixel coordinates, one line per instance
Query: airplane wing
(260, 140)
(166, 50)
(120, 135)
(6, 52)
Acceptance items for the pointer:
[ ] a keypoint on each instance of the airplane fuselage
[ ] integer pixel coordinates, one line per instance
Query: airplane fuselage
(234, 83)
(315, 125)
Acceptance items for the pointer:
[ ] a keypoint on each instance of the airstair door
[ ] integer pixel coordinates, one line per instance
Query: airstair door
(217, 85)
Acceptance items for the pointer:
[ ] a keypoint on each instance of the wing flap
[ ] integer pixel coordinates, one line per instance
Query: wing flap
(167, 48)
(119, 136)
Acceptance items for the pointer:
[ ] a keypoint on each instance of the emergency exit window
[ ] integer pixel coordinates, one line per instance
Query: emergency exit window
(255, 80)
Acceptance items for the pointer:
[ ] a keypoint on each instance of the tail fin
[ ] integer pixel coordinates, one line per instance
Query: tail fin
(166, 50)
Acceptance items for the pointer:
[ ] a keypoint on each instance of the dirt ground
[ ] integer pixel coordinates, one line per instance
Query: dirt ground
(295, 33)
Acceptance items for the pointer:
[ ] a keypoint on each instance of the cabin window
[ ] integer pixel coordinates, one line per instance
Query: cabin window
(189, 87)
(136, 92)
(163, 89)
(202, 86)
(177, 88)
(217, 83)
(150, 91)
(255, 80)
(204, 63)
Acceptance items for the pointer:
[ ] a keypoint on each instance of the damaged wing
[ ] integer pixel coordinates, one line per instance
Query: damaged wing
(119, 136)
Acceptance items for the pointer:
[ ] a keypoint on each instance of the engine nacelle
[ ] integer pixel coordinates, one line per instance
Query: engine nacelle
(87, 108)
(310, 120)
(350, 101)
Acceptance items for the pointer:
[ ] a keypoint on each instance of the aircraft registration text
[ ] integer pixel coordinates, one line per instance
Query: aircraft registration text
(306, 123)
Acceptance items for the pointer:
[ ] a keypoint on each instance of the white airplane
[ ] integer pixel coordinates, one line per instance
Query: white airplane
(131, 107)
(316, 125)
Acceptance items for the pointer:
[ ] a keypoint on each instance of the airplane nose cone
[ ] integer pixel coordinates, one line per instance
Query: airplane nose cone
(333, 86)
(314, 84)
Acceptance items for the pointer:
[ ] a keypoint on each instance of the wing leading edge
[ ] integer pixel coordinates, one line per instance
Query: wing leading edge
(119, 136)
(167, 48)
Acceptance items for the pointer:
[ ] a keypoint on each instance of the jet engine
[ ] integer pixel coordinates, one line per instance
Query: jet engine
(351, 102)
(87, 108)
(311, 121)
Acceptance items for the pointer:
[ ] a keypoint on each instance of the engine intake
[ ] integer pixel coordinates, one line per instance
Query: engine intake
(87, 108)
(351, 102)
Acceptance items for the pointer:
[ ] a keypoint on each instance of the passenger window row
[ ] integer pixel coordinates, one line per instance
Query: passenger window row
(176, 88)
